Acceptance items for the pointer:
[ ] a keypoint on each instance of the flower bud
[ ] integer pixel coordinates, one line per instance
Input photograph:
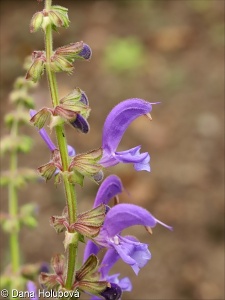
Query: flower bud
(61, 64)
(76, 101)
(70, 51)
(36, 21)
(74, 109)
(58, 16)
(37, 67)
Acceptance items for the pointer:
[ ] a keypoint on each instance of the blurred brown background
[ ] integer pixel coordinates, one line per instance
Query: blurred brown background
(169, 51)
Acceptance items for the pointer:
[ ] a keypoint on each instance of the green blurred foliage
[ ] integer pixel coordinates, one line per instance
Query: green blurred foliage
(124, 55)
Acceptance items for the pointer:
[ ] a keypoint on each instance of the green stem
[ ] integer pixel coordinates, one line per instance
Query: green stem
(62, 144)
(13, 208)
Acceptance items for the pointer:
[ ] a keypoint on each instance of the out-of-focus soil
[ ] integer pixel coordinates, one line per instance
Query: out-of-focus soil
(183, 68)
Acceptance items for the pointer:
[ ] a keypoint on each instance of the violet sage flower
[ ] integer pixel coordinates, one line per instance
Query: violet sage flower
(114, 127)
(128, 248)
(118, 218)
(109, 188)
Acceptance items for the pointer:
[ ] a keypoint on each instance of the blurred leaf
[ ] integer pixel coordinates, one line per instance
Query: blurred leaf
(124, 54)
(19, 144)
(19, 178)
(21, 97)
(200, 5)
(22, 117)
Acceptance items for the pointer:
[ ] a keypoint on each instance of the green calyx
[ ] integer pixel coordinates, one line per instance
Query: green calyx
(87, 278)
(57, 16)
(86, 165)
(89, 223)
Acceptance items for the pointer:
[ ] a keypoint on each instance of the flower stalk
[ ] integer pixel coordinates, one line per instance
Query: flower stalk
(14, 179)
(13, 208)
(62, 145)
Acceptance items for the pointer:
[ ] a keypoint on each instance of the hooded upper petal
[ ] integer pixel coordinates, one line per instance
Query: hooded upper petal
(124, 215)
(120, 118)
(115, 125)
(109, 188)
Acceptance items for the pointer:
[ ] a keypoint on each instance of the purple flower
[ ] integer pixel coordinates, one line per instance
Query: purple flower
(118, 218)
(32, 289)
(129, 249)
(43, 133)
(110, 187)
(115, 125)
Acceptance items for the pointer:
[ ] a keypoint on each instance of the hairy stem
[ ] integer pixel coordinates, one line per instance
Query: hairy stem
(62, 144)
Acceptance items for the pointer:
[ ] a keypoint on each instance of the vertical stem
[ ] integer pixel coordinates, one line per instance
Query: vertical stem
(13, 208)
(62, 144)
